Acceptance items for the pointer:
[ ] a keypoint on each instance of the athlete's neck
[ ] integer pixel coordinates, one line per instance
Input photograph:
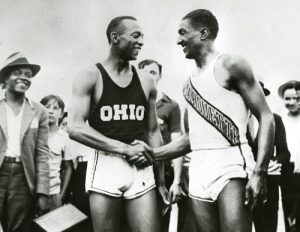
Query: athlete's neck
(116, 63)
(206, 55)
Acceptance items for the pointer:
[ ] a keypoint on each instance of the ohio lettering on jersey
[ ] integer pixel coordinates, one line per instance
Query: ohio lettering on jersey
(122, 112)
(212, 115)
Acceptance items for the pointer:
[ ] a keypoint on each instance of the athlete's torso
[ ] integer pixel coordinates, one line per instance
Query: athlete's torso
(202, 134)
(121, 111)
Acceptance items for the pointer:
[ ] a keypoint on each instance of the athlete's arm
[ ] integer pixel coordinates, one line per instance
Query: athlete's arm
(175, 189)
(154, 139)
(82, 94)
(177, 148)
(243, 80)
(175, 128)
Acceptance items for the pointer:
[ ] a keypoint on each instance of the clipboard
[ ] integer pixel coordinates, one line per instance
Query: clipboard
(60, 219)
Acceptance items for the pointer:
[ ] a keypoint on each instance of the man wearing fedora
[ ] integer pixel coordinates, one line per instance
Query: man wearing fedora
(24, 153)
(291, 179)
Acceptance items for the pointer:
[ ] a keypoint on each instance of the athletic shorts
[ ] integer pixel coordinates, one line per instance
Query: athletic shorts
(211, 170)
(111, 174)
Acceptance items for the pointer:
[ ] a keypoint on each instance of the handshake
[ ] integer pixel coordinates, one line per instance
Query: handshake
(139, 154)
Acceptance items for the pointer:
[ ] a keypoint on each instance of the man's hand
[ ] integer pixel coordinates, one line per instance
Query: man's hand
(42, 205)
(163, 192)
(139, 154)
(256, 190)
(175, 192)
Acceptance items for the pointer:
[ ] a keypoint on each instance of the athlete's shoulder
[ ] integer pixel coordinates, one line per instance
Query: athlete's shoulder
(88, 73)
(86, 78)
(233, 61)
(237, 66)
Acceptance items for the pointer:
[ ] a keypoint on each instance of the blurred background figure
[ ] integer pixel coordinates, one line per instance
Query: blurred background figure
(78, 196)
(265, 217)
(169, 119)
(291, 177)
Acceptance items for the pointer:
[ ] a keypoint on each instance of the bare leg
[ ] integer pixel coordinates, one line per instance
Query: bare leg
(206, 216)
(142, 213)
(234, 215)
(105, 212)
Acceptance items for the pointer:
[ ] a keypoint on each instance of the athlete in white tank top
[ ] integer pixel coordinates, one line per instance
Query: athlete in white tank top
(217, 94)
(202, 134)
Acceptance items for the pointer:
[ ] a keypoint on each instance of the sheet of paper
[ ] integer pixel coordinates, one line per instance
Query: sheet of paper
(61, 218)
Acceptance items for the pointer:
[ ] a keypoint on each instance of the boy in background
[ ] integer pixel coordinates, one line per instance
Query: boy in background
(60, 152)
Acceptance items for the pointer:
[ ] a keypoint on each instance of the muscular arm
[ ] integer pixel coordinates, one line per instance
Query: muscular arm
(177, 148)
(82, 95)
(175, 128)
(241, 76)
(154, 137)
(243, 80)
(177, 163)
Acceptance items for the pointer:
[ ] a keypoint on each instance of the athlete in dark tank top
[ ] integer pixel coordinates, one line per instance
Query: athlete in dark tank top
(120, 112)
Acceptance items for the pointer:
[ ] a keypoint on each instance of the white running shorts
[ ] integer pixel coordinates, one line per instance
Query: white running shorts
(111, 174)
(211, 170)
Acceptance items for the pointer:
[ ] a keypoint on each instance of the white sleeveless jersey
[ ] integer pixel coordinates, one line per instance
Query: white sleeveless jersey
(202, 134)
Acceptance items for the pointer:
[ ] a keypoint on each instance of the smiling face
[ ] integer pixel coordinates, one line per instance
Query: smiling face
(290, 99)
(130, 40)
(19, 80)
(190, 39)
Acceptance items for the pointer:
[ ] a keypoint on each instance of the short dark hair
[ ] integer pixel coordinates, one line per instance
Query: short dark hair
(65, 115)
(115, 24)
(144, 63)
(44, 101)
(203, 17)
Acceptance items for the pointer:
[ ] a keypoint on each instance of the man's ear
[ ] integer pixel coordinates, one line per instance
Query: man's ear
(204, 33)
(114, 37)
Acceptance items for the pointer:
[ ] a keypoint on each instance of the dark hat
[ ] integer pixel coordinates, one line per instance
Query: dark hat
(287, 85)
(17, 59)
(266, 91)
(261, 82)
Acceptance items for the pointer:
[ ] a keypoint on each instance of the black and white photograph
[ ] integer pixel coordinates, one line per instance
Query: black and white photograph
(149, 116)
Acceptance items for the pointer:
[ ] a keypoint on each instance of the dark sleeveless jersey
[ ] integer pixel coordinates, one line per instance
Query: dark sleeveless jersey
(121, 112)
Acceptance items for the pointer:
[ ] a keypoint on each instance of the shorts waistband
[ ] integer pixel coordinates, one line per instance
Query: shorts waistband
(9, 159)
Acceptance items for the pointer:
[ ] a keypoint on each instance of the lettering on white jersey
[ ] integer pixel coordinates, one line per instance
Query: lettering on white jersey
(212, 115)
(122, 112)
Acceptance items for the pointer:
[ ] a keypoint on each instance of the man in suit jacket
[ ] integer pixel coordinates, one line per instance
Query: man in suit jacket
(24, 153)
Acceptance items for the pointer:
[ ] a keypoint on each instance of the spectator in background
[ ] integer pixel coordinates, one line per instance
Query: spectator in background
(60, 152)
(266, 216)
(79, 197)
(291, 177)
(168, 113)
(24, 154)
